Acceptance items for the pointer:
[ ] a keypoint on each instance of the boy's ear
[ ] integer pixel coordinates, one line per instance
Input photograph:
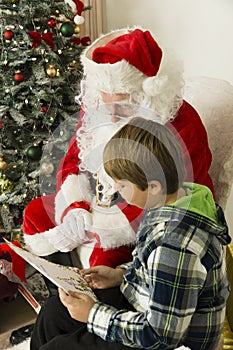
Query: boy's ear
(154, 187)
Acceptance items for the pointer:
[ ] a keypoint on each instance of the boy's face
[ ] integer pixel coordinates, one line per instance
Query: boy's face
(131, 193)
(152, 197)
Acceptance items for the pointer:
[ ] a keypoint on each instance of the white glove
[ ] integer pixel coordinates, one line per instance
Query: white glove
(71, 233)
(64, 237)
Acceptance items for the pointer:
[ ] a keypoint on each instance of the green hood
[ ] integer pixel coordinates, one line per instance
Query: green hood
(198, 199)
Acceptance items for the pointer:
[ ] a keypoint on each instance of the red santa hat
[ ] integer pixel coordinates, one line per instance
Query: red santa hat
(121, 60)
(130, 61)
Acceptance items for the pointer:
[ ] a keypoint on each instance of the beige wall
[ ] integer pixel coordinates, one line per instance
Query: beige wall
(200, 31)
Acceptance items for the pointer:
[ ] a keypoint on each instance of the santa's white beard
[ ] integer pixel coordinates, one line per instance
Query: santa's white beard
(92, 138)
(91, 145)
(97, 129)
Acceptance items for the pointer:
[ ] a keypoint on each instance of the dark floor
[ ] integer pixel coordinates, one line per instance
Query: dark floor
(16, 314)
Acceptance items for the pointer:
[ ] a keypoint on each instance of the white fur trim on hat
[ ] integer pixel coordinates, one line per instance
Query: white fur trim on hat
(120, 77)
(76, 188)
(154, 85)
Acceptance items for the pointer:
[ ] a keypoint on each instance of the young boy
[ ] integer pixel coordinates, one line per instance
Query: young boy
(176, 286)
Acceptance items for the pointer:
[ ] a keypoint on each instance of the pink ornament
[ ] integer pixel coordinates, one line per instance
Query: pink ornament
(47, 168)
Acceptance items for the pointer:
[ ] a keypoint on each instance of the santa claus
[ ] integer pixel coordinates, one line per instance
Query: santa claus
(126, 73)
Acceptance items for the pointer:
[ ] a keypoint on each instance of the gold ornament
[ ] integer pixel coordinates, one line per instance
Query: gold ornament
(6, 185)
(51, 71)
(3, 164)
(76, 29)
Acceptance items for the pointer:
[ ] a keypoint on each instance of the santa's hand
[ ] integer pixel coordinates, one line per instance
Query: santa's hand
(72, 232)
(64, 237)
(78, 304)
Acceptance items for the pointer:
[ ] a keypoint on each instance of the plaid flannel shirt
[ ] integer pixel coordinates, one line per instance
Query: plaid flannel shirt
(176, 282)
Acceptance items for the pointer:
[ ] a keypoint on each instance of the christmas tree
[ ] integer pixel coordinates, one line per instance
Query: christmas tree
(40, 71)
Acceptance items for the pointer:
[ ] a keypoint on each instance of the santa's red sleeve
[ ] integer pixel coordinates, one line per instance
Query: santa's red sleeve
(72, 186)
(191, 133)
(69, 163)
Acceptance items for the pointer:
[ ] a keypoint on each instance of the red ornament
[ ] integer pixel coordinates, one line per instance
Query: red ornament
(44, 109)
(52, 23)
(8, 34)
(19, 76)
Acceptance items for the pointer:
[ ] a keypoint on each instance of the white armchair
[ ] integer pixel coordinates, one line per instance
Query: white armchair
(213, 99)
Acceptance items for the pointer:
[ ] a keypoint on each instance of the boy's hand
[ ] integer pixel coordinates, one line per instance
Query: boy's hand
(78, 304)
(101, 277)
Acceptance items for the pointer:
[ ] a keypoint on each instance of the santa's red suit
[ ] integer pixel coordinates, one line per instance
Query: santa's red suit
(72, 218)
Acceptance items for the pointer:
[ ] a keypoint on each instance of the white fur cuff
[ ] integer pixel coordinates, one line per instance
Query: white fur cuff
(38, 244)
(112, 227)
(76, 188)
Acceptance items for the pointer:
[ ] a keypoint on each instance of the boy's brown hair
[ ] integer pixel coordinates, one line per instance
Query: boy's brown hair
(142, 151)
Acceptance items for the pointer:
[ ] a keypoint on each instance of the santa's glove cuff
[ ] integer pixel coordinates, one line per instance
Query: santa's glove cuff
(76, 205)
(38, 244)
(71, 233)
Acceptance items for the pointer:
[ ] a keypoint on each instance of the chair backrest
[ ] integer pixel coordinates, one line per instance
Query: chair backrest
(213, 99)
